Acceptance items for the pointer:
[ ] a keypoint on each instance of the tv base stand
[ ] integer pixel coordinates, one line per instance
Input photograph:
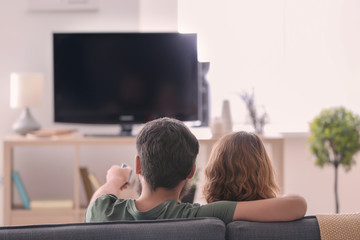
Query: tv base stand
(126, 130)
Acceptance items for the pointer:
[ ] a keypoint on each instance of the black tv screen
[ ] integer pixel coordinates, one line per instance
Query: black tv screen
(115, 78)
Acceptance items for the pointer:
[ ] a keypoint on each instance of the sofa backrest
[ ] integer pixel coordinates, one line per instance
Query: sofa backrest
(306, 228)
(177, 229)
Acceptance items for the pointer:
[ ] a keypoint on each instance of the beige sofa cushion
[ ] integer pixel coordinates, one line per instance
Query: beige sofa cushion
(339, 226)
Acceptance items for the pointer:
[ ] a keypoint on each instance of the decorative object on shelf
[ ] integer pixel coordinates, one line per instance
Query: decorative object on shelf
(257, 120)
(50, 132)
(21, 189)
(87, 183)
(94, 181)
(220, 126)
(334, 140)
(226, 116)
(217, 127)
(26, 90)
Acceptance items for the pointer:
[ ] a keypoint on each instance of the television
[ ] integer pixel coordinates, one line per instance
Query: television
(125, 78)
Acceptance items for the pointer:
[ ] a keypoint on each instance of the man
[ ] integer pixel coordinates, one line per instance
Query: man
(166, 157)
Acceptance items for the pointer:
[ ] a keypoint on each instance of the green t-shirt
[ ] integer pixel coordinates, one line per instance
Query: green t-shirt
(110, 208)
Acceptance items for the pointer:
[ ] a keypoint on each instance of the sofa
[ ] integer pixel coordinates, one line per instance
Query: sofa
(178, 229)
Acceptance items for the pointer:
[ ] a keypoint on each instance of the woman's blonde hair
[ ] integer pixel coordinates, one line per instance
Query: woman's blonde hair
(239, 169)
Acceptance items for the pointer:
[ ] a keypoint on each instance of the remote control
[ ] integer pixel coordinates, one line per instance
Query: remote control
(128, 180)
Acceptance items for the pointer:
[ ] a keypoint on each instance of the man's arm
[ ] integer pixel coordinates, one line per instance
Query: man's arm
(286, 208)
(116, 178)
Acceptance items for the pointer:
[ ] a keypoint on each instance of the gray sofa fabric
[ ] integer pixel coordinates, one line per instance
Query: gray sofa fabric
(305, 229)
(177, 229)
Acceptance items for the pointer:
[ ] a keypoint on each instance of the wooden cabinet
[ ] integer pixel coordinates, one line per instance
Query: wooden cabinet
(19, 216)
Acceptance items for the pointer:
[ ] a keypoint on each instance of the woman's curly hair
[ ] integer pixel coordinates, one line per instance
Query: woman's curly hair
(239, 169)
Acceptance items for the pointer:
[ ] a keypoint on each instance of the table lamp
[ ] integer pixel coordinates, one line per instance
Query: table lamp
(26, 90)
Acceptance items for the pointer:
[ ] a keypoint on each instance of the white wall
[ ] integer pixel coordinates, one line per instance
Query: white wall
(322, 60)
(158, 15)
(299, 56)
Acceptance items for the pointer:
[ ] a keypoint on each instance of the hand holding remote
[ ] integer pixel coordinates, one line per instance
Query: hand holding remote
(128, 180)
(119, 175)
(117, 179)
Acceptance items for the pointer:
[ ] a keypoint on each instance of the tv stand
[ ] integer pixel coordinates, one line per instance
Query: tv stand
(126, 130)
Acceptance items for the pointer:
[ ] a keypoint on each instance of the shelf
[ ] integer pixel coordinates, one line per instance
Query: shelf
(48, 216)
(18, 216)
(74, 139)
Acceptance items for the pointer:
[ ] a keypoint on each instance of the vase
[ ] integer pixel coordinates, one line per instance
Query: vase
(226, 116)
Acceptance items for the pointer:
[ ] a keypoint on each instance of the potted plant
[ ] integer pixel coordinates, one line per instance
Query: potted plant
(334, 140)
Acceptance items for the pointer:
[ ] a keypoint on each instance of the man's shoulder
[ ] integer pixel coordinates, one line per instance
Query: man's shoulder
(107, 199)
(99, 209)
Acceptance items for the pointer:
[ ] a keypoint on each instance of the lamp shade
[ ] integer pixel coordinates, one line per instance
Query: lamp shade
(26, 89)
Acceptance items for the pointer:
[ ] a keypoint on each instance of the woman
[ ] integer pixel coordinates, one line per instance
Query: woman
(239, 169)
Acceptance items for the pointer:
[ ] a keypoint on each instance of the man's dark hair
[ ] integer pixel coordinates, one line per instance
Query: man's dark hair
(167, 151)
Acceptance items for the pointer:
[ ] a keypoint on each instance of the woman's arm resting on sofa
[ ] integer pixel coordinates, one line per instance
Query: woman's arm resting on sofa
(286, 208)
(116, 179)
